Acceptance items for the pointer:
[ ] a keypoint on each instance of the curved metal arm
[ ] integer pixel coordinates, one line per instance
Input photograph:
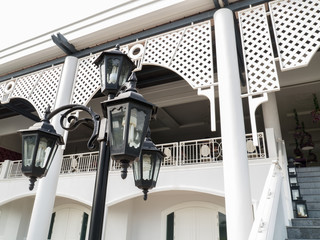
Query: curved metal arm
(74, 121)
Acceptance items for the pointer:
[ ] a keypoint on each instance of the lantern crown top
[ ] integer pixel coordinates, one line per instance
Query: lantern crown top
(45, 127)
(115, 51)
(148, 144)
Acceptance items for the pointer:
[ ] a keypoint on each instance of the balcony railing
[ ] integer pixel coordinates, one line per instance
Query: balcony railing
(201, 151)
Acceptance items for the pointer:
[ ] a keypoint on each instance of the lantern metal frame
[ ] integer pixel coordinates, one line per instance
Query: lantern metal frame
(118, 59)
(127, 100)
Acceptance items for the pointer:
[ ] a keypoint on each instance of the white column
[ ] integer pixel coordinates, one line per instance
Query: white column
(235, 161)
(271, 115)
(46, 191)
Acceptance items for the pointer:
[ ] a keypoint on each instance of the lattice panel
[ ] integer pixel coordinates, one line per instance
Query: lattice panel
(190, 57)
(161, 49)
(296, 24)
(2, 85)
(45, 91)
(25, 84)
(87, 80)
(260, 67)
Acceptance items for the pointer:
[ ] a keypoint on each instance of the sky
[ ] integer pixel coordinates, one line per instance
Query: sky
(21, 20)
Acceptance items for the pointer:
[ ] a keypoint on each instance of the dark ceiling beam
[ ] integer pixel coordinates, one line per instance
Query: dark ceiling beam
(63, 44)
(141, 35)
(21, 111)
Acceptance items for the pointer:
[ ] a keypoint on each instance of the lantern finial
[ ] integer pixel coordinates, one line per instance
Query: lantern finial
(145, 194)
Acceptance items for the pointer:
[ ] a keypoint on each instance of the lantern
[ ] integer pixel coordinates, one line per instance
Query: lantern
(291, 168)
(293, 179)
(301, 208)
(115, 69)
(39, 144)
(128, 117)
(146, 168)
(295, 192)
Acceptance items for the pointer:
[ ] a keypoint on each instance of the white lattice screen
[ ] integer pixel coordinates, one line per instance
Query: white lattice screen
(2, 85)
(39, 88)
(296, 24)
(187, 52)
(87, 81)
(25, 85)
(261, 72)
(45, 91)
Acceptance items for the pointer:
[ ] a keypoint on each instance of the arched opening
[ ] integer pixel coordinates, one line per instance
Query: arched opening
(17, 113)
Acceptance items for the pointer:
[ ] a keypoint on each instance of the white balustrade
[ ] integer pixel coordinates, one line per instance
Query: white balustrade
(200, 151)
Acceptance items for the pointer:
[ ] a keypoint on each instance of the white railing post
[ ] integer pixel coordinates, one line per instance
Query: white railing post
(5, 169)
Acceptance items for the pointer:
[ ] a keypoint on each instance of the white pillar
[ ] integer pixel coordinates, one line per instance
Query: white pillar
(235, 161)
(46, 191)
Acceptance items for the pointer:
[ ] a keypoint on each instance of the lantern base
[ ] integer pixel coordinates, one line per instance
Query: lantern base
(32, 181)
(124, 169)
(145, 192)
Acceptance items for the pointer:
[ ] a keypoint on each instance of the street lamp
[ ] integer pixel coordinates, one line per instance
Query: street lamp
(121, 132)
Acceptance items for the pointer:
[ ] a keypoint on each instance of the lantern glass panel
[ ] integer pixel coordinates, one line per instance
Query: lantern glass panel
(301, 210)
(147, 167)
(125, 71)
(157, 168)
(113, 66)
(29, 144)
(136, 169)
(292, 170)
(293, 180)
(45, 147)
(117, 124)
(136, 125)
(295, 194)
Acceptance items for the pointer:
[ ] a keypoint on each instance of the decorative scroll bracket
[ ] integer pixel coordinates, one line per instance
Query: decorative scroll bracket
(253, 104)
(209, 93)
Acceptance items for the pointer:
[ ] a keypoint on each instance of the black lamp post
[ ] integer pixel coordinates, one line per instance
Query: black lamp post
(146, 168)
(121, 132)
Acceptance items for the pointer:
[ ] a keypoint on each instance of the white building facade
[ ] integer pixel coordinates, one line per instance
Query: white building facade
(225, 75)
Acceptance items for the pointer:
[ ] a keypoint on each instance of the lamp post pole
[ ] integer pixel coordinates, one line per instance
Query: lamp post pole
(101, 184)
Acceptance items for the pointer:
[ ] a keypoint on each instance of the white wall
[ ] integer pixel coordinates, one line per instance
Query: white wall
(14, 219)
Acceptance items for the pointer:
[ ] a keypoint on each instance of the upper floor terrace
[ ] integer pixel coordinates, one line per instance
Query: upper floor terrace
(200, 158)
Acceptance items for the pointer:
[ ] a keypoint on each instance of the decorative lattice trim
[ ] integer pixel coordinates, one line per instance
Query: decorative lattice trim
(87, 80)
(2, 85)
(160, 50)
(25, 85)
(296, 24)
(187, 52)
(45, 91)
(260, 67)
